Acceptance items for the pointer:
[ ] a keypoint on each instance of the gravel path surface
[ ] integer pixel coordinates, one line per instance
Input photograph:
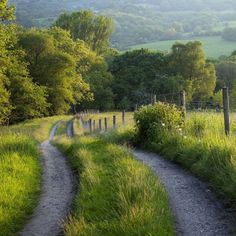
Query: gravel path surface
(196, 210)
(57, 193)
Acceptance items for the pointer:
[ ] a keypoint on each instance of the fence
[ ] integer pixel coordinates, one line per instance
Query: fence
(102, 124)
(179, 99)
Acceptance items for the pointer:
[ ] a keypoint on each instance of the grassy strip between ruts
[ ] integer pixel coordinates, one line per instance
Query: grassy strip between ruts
(117, 195)
(20, 171)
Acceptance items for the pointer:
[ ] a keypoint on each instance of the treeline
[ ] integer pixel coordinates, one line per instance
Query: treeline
(138, 22)
(70, 67)
(49, 72)
(141, 73)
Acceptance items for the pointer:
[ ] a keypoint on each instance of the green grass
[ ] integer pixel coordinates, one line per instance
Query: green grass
(109, 116)
(117, 194)
(38, 129)
(202, 147)
(214, 46)
(20, 171)
(20, 181)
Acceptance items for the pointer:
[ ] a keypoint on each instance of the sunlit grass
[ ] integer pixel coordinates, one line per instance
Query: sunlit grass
(202, 147)
(38, 129)
(20, 181)
(117, 195)
(20, 171)
(109, 115)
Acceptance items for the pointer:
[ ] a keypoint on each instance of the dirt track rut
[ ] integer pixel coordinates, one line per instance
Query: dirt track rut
(57, 193)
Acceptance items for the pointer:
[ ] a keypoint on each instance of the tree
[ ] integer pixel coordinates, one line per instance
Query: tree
(188, 60)
(94, 70)
(6, 12)
(137, 75)
(92, 29)
(226, 74)
(51, 55)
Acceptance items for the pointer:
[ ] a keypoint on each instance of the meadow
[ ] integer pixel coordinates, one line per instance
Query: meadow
(21, 171)
(214, 46)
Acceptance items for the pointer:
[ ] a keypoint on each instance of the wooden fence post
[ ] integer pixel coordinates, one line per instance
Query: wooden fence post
(90, 126)
(114, 122)
(105, 121)
(123, 117)
(136, 107)
(94, 125)
(100, 124)
(225, 92)
(182, 100)
(154, 100)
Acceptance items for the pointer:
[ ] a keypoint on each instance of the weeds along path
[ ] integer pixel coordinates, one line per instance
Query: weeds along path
(57, 193)
(196, 209)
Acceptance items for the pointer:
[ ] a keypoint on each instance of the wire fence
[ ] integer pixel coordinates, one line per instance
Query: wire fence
(180, 99)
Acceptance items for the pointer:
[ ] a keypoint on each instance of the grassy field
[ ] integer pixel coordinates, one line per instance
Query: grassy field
(214, 46)
(117, 195)
(20, 171)
(109, 116)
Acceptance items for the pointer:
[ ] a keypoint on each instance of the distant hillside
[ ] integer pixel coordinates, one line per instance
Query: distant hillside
(139, 21)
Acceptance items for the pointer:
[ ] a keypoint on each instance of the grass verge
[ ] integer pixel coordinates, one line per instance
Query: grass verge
(117, 195)
(20, 171)
(20, 181)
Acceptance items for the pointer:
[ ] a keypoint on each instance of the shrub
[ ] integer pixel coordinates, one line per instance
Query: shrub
(154, 122)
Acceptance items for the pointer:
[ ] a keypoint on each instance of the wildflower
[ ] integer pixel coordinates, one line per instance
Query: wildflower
(185, 137)
(163, 124)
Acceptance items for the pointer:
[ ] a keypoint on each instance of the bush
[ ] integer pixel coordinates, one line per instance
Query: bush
(154, 122)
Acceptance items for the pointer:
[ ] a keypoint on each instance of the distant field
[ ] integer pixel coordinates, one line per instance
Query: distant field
(214, 46)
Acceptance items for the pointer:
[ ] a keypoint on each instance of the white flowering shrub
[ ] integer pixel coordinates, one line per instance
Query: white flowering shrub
(154, 122)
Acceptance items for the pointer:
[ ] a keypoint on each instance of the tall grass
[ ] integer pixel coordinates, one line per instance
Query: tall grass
(117, 195)
(202, 147)
(38, 129)
(109, 115)
(20, 181)
(20, 171)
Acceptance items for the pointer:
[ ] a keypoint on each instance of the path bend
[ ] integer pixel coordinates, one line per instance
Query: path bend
(57, 193)
(196, 209)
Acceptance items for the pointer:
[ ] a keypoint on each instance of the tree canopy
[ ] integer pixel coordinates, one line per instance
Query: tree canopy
(86, 26)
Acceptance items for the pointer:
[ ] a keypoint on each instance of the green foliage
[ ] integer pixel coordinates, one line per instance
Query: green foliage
(202, 147)
(6, 11)
(154, 122)
(53, 65)
(92, 29)
(141, 73)
(137, 74)
(118, 195)
(139, 21)
(188, 60)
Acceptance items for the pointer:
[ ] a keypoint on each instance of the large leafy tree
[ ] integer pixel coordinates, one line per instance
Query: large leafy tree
(52, 63)
(92, 29)
(137, 75)
(20, 98)
(188, 60)
(94, 69)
